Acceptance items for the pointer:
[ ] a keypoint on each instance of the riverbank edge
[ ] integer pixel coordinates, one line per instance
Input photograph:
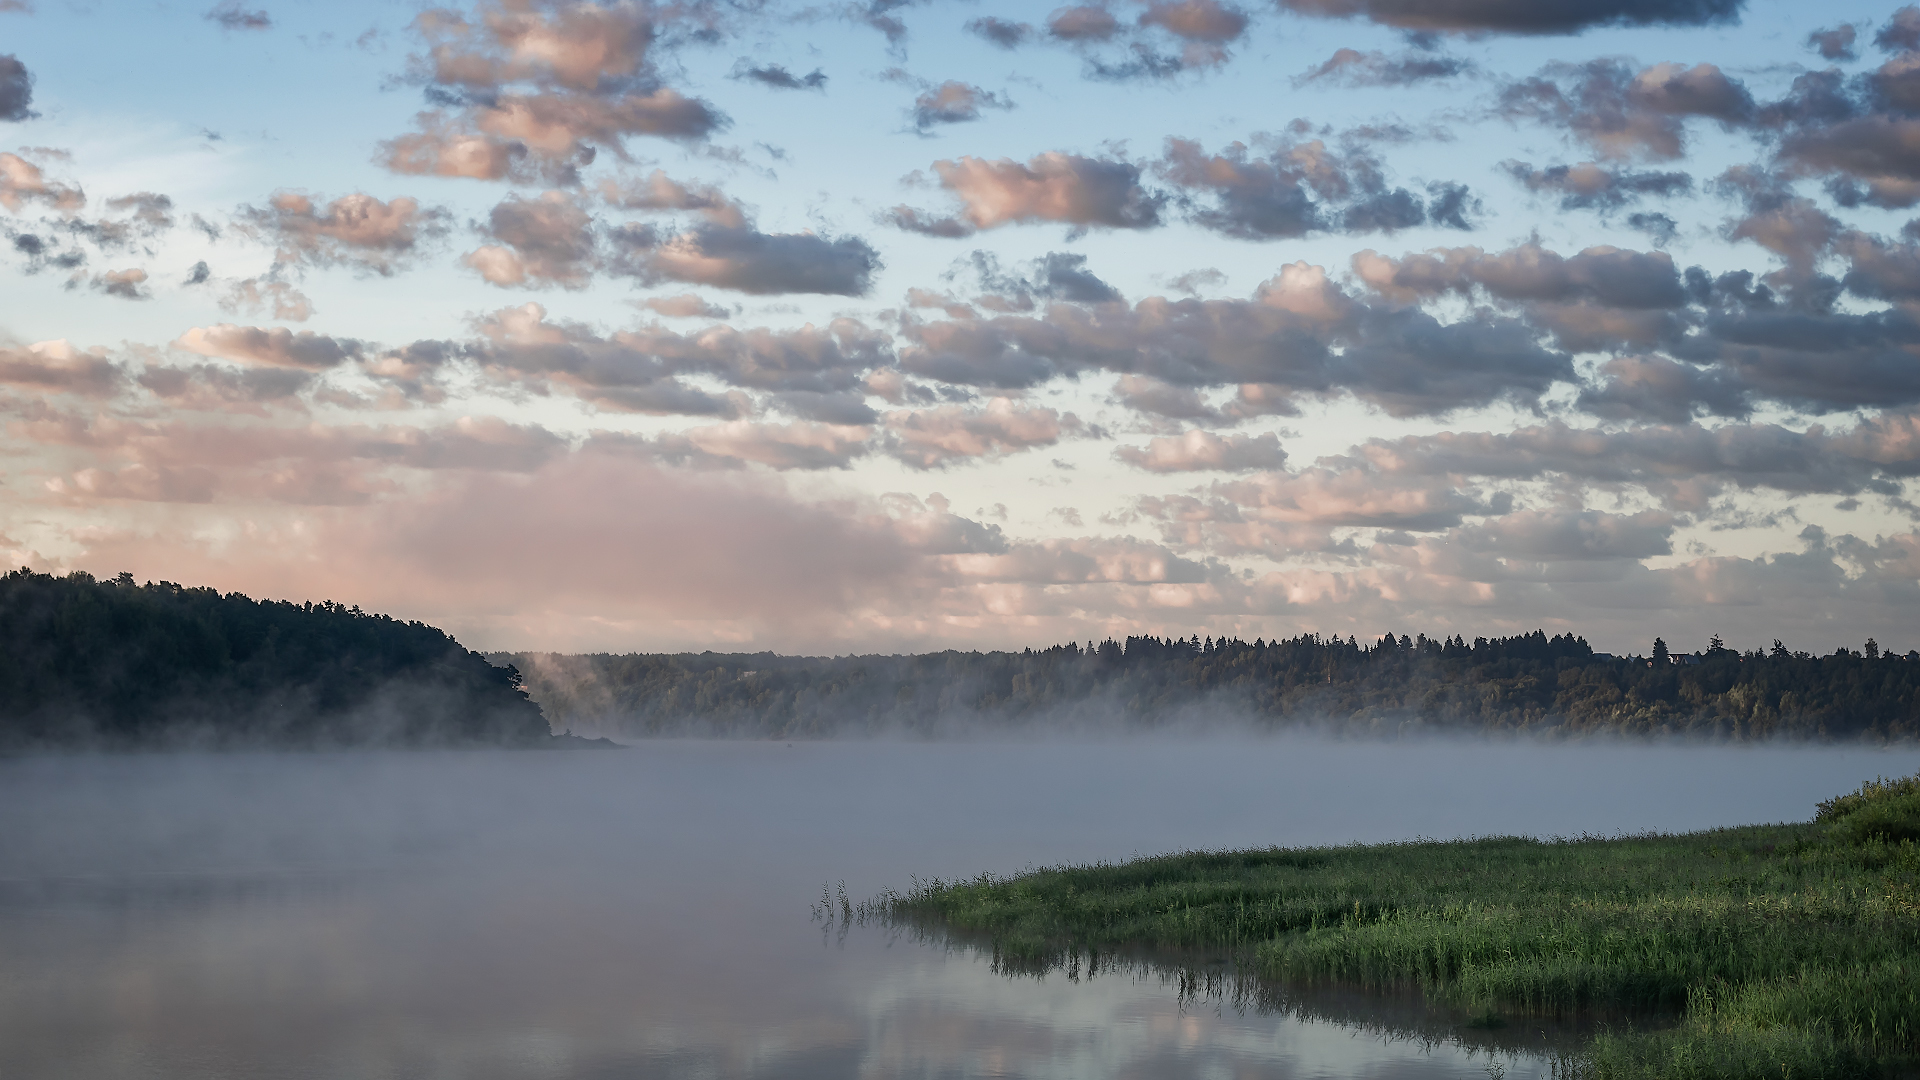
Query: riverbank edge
(1768, 950)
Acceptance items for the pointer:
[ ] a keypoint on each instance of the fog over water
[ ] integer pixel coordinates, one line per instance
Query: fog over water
(646, 912)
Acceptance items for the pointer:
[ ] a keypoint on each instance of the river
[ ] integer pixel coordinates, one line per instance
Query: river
(648, 912)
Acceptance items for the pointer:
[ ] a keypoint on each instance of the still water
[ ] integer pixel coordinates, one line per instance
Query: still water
(647, 912)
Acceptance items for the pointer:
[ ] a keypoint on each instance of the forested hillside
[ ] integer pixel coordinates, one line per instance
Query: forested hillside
(1395, 685)
(114, 664)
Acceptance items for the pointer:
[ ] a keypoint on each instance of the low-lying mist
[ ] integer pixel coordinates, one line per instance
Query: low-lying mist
(647, 912)
(1549, 687)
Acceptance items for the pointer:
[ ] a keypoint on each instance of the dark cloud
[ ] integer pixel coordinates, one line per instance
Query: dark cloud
(234, 15)
(1880, 270)
(130, 284)
(779, 77)
(1351, 67)
(1193, 281)
(1824, 361)
(658, 191)
(1622, 113)
(1065, 276)
(1451, 206)
(1384, 211)
(60, 368)
(907, 219)
(1588, 186)
(1300, 188)
(1657, 388)
(1861, 132)
(199, 274)
(746, 260)
(953, 102)
(1895, 85)
(1684, 464)
(846, 407)
(1081, 191)
(220, 385)
(1143, 62)
(1058, 275)
(1167, 39)
(549, 240)
(1833, 44)
(1696, 343)
(643, 370)
(270, 346)
(1523, 16)
(1085, 22)
(16, 89)
(1605, 275)
(1902, 32)
(1002, 32)
(44, 252)
(1559, 535)
(355, 230)
(150, 211)
(146, 215)
(535, 91)
(1301, 336)
(1879, 155)
(1660, 228)
(879, 14)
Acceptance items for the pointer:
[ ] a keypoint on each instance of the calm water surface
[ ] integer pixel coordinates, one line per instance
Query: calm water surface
(646, 913)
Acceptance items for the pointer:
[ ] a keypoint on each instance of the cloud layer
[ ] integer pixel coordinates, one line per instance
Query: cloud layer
(915, 324)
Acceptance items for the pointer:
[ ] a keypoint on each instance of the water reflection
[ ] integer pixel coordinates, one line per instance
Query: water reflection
(646, 913)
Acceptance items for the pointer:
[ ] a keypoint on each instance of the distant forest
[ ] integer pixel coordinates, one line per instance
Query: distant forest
(113, 664)
(1397, 685)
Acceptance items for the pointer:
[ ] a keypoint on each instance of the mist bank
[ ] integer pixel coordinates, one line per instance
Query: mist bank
(91, 664)
(1396, 686)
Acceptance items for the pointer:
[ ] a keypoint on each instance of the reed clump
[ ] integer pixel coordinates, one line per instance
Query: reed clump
(1774, 950)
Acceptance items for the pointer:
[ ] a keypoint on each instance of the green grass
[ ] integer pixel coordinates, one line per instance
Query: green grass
(1774, 950)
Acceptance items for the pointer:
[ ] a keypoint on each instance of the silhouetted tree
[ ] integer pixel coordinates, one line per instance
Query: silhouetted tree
(115, 664)
(1530, 682)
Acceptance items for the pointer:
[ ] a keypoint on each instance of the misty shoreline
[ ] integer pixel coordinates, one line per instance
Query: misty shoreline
(1555, 687)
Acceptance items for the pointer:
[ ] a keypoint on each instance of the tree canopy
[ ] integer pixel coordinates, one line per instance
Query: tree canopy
(1530, 682)
(115, 664)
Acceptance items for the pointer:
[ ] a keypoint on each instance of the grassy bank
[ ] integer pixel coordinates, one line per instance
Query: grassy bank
(1783, 950)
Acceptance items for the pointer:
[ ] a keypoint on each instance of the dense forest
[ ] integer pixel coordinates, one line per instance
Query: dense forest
(114, 664)
(1397, 685)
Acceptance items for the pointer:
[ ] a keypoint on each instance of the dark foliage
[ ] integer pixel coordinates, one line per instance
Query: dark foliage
(1531, 682)
(113, 664)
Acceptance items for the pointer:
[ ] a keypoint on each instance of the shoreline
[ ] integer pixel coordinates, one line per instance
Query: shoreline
(1771, 946)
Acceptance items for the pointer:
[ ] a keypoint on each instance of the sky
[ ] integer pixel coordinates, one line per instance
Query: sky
(919, 324)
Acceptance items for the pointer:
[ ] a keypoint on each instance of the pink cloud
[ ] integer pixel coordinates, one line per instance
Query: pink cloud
(1203, 450)
(58, 367)
(22, 182)
(276, 346)
(357, 230)
(936, 437)
(1083, 191)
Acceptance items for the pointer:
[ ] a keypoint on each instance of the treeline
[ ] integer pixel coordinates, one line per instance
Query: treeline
(114, 664)
(1396, 685)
